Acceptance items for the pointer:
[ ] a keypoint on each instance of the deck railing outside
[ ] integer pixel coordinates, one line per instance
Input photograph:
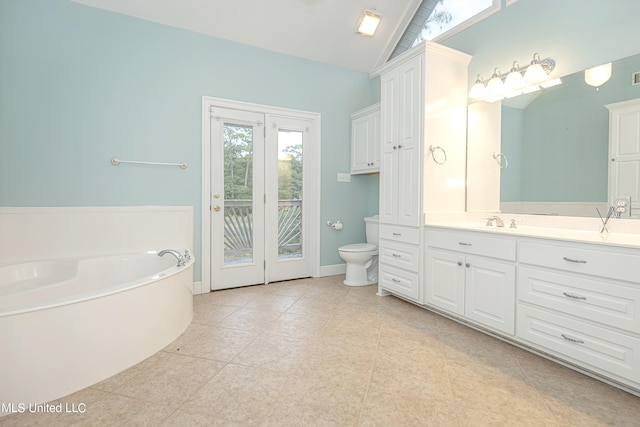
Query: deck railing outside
(238, 232)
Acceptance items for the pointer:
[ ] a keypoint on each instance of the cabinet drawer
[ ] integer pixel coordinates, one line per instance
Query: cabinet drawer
(399, 255)
(400, 234)
(607, 303)
(472, 243)
(622, 266)
(600, 348)
(401, 282)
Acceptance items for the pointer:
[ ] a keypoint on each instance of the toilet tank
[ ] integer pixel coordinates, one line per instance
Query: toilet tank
(371, 229)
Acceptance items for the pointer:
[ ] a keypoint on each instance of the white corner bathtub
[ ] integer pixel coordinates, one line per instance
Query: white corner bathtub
(69, 323)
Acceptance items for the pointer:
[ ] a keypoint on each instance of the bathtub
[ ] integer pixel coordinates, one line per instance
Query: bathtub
(69, 323)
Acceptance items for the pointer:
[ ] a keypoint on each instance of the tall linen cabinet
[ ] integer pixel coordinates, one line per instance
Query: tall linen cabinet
(422, 157)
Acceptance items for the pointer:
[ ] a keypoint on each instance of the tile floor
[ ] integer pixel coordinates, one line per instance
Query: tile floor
(314, 352)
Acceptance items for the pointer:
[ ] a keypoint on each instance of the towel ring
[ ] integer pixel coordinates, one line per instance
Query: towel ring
(433, 149)
(499, 158)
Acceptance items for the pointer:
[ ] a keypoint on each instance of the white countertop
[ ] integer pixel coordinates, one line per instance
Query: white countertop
(631, 240)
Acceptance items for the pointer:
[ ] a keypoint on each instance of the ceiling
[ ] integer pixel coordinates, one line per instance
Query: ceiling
(320, 30)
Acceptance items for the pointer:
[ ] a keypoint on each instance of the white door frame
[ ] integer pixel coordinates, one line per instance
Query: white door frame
(313, 200)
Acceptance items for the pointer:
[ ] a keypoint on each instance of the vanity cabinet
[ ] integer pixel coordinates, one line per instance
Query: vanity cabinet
(365, 140)
(423, 102)
(460, 281)
(581, 303)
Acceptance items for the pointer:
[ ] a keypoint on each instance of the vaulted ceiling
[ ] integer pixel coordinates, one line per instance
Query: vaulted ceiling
(320, 30)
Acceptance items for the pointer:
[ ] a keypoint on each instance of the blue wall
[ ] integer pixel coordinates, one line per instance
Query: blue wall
(80, 85)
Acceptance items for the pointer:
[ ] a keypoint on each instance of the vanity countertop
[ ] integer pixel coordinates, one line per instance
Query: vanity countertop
(630, 240)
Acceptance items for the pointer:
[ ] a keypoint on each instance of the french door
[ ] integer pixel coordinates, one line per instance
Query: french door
(259, 183)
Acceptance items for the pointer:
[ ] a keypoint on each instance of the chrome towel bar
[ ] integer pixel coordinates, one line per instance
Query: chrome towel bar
(116, 161)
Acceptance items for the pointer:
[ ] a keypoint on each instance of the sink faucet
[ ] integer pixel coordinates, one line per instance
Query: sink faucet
(181, 259)
(497, 219)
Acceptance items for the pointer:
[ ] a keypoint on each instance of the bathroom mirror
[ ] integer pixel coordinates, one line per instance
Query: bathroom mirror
(554, 145)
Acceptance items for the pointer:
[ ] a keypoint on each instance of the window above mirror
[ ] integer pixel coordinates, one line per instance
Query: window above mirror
(436, 20)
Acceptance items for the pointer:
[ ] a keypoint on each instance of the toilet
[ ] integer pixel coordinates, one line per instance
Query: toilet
(362, 258)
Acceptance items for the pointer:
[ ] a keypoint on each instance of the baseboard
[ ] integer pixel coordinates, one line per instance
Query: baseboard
(332, 270)
(197, 288)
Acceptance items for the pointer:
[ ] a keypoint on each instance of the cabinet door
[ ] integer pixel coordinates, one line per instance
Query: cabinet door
(374, 141)
(490, 293)
(410, 142)
(445, 280)
(388, 211)
(360, 137)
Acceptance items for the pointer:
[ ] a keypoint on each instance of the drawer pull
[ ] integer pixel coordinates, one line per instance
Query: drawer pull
(568, 295)
(464, 244)
(397, 234)
(571, 339)
(396, 256)
(395, 280)
(577, 261)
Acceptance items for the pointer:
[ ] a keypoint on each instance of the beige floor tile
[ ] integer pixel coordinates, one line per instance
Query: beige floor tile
(238, 394)
(479, 388)
(384, 409)
(212, 314)
(217, 343)
(315, 402)
(250, 319)
(298, 325)
(275, 352)
(273, 302)
(171, 380)
(404, 376)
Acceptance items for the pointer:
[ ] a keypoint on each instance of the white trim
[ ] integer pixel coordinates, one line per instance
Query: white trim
(332, 270)
(198, 289)
(314, 211)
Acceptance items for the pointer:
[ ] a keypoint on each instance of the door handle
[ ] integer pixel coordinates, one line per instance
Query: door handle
(216, 208)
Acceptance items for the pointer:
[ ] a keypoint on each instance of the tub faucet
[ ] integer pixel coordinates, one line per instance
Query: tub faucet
(181, 259)
(497, 219)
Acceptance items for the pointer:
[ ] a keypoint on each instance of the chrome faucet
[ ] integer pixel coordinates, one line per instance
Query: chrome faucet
(181, 259)
(497, 219)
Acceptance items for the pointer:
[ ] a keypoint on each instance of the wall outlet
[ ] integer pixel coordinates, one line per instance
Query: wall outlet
(622, 206)
(344, 177)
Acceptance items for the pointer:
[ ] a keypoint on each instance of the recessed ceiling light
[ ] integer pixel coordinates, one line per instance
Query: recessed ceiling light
(369, 23)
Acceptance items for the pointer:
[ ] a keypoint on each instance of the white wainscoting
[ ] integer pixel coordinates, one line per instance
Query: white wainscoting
(36, 233)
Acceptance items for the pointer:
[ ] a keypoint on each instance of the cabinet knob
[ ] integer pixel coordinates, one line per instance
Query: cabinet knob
(394, 147)
(399, 146)
(460, 263)
(467, 265)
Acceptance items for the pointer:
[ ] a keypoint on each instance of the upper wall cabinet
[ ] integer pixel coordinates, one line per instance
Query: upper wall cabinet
(365, 140)
(423, 127)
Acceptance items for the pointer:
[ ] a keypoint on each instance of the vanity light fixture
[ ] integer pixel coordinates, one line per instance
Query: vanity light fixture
(369, 23)
(598, 76)
(519, 80)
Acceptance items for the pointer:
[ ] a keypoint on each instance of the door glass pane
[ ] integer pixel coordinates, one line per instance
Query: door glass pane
(289, 194)
(238, 194)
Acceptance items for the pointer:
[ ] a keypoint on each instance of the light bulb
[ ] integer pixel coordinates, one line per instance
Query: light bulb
(478, 90)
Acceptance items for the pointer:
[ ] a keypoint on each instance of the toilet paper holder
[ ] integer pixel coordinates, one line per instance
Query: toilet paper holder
(336, 225)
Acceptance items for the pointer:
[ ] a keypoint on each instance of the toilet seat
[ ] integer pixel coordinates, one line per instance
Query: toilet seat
(358, 247)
